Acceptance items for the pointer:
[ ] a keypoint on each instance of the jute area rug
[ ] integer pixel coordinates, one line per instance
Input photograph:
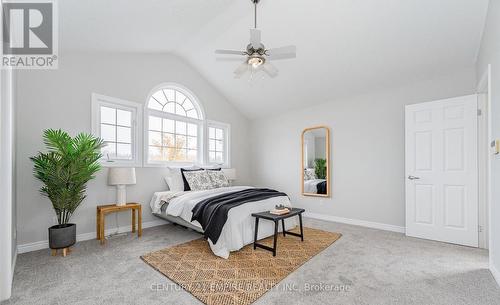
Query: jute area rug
(246, 275)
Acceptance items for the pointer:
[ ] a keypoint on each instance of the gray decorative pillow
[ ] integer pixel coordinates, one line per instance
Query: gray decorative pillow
(198, 180)
(218, 178)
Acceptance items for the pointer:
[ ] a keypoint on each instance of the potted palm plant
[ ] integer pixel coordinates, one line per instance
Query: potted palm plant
(320, 168)
(64, 170)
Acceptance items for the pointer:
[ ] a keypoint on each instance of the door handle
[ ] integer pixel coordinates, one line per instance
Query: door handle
(413, 177)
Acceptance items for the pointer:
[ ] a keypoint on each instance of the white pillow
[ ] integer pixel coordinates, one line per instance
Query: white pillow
(198, 180)
(174, 179)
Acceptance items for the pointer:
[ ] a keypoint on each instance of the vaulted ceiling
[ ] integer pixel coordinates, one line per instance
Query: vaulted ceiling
(344, 47)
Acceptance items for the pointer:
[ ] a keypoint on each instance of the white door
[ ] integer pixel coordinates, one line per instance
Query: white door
(442, 170)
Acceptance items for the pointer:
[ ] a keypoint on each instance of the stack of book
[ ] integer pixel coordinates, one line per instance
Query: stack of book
(280, 211)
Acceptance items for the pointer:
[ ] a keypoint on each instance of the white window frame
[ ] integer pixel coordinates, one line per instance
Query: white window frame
(227, 143)
(99, 100)
(201, 135)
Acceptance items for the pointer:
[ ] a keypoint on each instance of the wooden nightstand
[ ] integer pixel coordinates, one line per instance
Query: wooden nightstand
(102, 210)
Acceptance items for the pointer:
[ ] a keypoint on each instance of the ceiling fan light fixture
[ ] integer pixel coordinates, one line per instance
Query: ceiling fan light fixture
(257, 57)
(256, 61)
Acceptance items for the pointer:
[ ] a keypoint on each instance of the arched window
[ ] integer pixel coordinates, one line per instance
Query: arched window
(175, 101)
(174, 126)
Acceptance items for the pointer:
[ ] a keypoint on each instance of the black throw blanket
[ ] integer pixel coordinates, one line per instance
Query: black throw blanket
(321, 187)
(212, 212)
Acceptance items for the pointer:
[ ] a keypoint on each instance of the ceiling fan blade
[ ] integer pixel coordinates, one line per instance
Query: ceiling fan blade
(270, 69)
(231, 59)
(282, 53)
(282, 56)
(242, 69)
(231, 52)
(255, 38)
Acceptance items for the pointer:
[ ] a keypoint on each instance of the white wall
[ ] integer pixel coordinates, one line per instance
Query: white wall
(7, 186)
(61, 99)
(490, 54)
(367, 156)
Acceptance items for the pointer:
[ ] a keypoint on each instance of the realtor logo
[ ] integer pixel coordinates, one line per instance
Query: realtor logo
(29, 34)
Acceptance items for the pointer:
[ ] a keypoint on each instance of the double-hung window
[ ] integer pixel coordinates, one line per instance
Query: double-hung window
(218, 144)
(115, 121)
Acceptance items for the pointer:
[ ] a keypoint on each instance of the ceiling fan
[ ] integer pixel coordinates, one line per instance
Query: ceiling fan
(257, 57)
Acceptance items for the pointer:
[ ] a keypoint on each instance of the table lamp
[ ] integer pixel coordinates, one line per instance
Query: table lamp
(121, 176)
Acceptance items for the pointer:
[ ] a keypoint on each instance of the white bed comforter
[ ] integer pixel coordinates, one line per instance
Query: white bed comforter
(311, 186)
(238, 230)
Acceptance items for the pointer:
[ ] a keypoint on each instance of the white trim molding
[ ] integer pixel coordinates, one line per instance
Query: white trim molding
(357, 222)
(44, 244)
(227, 143)
(135, 109)
(7, 186)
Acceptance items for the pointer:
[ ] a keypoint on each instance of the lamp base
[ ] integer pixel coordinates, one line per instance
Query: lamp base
(121, 195)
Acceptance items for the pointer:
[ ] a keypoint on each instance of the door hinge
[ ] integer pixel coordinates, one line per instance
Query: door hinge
(480, 229)
(479, 112)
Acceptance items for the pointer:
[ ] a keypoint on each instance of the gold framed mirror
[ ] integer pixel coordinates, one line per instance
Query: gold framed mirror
(316, 161)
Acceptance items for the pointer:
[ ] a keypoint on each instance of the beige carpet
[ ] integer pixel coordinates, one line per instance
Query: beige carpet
(246, 275)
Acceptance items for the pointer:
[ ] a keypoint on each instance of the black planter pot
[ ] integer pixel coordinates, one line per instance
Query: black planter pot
(62, 236)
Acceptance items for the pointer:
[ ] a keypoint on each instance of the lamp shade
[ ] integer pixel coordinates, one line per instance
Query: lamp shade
(121, 175)
(230, 173)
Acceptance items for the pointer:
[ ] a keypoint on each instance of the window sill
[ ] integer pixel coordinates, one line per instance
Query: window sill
(120, 164)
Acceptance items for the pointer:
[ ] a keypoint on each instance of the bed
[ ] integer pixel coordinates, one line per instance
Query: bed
(315, 186)
(238, 229)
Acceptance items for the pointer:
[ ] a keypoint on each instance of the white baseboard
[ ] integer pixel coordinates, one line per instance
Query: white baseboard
(496, 274)
(44, 244)
(357, 222)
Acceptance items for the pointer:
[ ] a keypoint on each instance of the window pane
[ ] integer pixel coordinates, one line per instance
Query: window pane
(218, 146)
(168, 140)
(160, 97)
(180, 98)
(170, 108)
(124, 117)
(181, 155)
(218, 157)
(179, 110)
(187, 104)
(180, 141)
(108, 133)
(153, 104)
(154, 123)
(170, 95)
(169, 154)
(124, 134)
(168, 126)
(124, 151)
(211, 156)
(109, 151)
(193, 114)
(219, 134)
(192, 155)
(211, 133)
(155, 153)
(108, 115)
(192, 130)
(180, 127)
(211, 145)
(155, 138)
(192, 142)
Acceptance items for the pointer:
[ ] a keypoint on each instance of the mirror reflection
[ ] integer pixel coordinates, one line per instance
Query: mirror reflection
(315, 165)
